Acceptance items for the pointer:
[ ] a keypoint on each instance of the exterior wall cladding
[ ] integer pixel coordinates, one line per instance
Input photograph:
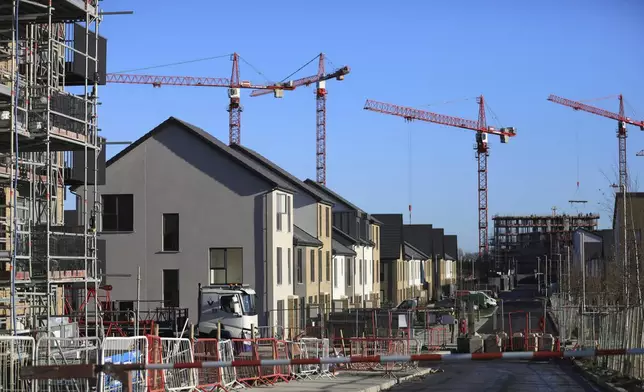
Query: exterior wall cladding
(172, 172)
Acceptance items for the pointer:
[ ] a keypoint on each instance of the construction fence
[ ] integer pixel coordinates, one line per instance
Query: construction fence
(433, 328)
(17, 353)
(608, 327)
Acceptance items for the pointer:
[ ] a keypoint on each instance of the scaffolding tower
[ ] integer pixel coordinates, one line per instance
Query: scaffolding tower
(523, 234)
(51, 59)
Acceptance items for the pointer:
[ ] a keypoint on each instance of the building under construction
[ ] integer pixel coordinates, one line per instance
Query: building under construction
(519, 240)
(51, 63)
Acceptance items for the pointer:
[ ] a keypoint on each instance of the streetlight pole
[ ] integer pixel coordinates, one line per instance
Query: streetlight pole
(539, 274)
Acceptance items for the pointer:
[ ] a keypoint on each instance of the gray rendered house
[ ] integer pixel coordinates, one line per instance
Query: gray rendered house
(189, 209)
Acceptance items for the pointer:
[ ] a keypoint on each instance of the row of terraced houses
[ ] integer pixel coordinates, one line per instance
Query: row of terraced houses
(186, 208)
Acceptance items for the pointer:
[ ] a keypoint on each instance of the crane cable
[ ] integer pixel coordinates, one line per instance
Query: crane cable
(409, 170)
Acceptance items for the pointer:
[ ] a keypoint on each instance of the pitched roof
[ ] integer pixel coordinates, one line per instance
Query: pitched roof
(291, 179)
(391, 235)
(375, 221)
(420, 236)
(346, 237)
(302, 238)
(412, 253)
(339, 249)
(211, 141)
(334, 196)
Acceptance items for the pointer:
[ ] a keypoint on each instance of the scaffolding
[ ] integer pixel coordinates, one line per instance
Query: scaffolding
(50, 64)
(536, 235)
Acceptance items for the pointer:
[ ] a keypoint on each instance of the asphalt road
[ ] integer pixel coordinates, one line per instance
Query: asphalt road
(500, 376)
(522, 309)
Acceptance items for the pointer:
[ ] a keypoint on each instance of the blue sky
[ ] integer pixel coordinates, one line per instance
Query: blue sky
(416, 53)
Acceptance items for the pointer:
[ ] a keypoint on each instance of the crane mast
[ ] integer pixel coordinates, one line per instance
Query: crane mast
(320, 110)
(481, 149)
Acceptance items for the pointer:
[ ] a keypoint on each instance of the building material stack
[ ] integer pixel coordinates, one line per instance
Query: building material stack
(50, 67)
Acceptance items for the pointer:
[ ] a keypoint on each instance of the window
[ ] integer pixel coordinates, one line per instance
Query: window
(360, 270)
(382, 273)
(118, 213)
(170, 233)
(226, 265)
(328, 266)
(289, 267)
(171, 288)
(373, 267)
(327, 218)
(280, 210)
(279, 265)
(280, 312)
(312, 264)
(288, 214)
(335, 273)
(320, 265)
(299, 266)
(320, 221)
(349, 270)
(377, 235)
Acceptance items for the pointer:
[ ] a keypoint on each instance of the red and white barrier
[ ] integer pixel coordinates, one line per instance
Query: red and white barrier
(517, 355)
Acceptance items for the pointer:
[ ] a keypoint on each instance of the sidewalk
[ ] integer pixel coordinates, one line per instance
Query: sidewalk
(370, 381)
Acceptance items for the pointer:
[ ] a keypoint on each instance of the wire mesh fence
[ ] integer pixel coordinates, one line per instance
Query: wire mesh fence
(608, 327)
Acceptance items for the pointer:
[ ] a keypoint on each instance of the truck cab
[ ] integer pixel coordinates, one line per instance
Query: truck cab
(231, 307)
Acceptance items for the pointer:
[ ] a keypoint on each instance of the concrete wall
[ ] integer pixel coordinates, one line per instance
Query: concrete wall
(220, 204)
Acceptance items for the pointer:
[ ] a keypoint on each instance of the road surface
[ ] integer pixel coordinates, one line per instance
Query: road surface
(520, 307)
(500, 376)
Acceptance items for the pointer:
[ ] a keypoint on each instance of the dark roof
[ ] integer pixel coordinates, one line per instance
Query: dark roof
(272, 166)
(339, 249)
(412, 253)
(374, 220)
(437, 242)
(344, 238)
(213, 142)
(448, 257)
(391, 235)
(302, 238)
(450, 245)
(420, 236)
(334, 196)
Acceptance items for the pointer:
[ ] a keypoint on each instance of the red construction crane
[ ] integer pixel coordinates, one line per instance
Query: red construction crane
(622, 120)
(320, 111)
(481, 148)
(233, 84)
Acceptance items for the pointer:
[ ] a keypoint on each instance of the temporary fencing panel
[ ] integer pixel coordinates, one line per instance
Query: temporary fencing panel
(67, 351)
(16, 352)
(128, 350)
(317, 348)
(267, 349)
(228, 375)
(208, 350)
(155, 378)
(246, 349)
(298, 351)
(178, 350)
